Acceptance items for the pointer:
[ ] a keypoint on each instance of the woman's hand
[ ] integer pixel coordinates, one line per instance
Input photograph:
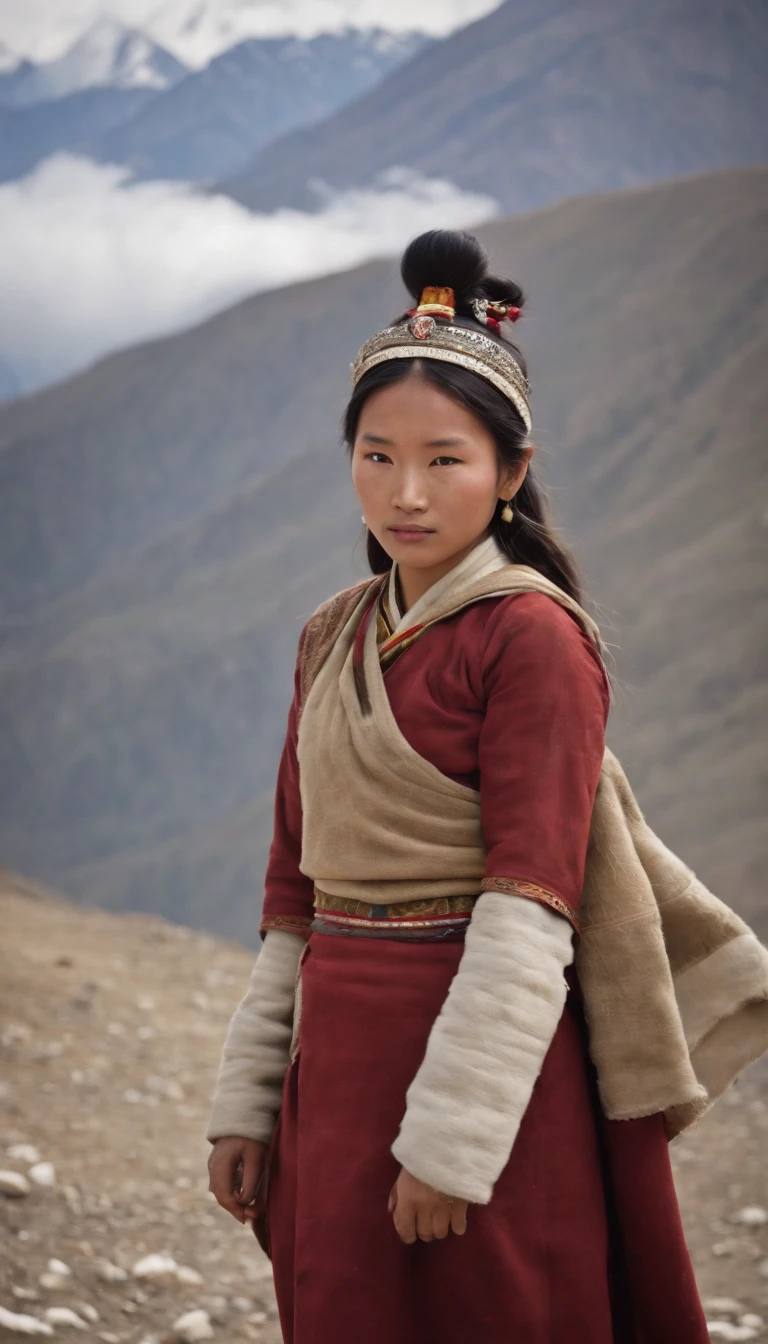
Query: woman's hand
(422, 1213)
(234, 1170)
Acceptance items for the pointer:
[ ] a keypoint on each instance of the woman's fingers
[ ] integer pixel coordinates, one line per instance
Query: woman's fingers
(441, 1221)
(421, 1213)
(253, 1162)
(404, 1218)
(425, 1214)
(222, 1171)
(234, 1168)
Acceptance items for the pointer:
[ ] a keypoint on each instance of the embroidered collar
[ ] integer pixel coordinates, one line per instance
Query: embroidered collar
(396, 631)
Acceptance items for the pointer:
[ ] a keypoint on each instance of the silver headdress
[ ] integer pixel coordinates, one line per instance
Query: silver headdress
(423, 337)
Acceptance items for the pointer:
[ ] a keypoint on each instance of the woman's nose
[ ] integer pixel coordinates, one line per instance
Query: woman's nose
(409, 493)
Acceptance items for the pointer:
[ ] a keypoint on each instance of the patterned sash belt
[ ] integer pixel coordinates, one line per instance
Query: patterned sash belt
(435, 917)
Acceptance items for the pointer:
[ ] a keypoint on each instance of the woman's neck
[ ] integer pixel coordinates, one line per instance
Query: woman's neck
(412, 583)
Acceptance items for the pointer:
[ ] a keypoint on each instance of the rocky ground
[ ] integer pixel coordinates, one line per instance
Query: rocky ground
(110, 1031)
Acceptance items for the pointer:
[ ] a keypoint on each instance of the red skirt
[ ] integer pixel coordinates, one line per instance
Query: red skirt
(581, 1243)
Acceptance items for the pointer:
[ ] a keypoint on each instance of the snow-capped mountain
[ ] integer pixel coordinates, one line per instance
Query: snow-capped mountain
(108, 55)
(197, 30)
(214, 120)
(209, 124)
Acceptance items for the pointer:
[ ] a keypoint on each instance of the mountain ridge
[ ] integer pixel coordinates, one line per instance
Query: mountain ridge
(544, 101)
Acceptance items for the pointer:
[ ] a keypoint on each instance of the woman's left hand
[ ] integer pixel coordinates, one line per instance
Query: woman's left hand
(421, 1213)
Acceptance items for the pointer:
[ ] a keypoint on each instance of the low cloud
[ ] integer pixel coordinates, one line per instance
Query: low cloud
(90, 262)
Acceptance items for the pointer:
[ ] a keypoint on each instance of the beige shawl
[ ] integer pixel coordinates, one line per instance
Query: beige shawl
(675, 983)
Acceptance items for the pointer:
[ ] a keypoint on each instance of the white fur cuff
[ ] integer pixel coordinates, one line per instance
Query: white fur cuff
(486, 1047)
(256, 1050)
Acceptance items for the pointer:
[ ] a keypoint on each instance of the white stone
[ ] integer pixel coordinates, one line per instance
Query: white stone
(750, 1318)
(110, 1273)
(107, 1337)
(217, 1308)
(65, 1316)
(19, 1324)
(193, 1326)
(90, 1313)
(725, 1247)
(762, 1268)
(43, 1173)
(53, 1282)
(751, 1216)
(185, 1274)
(13, 1184)
(24, 1294)
(736, 1334)
(58, 1267)
(24, 1152)
(154, 1266)
(242, 1304)
(722, 1306)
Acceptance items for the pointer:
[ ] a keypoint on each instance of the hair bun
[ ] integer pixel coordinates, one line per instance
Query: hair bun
(446, 257)
(495, 287)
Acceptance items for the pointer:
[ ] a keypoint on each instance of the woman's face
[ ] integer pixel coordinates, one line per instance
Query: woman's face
(421, 459)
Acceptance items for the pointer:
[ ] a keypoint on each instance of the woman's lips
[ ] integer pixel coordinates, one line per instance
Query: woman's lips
(406, 534)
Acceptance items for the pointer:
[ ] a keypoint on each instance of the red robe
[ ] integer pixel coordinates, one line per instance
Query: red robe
(582, 1241)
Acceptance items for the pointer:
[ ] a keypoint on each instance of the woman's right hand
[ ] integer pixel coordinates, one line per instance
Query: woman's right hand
(234, 1170)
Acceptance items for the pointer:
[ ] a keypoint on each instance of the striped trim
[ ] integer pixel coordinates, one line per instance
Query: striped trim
(532, 892)
(289, 923)
(351, 922)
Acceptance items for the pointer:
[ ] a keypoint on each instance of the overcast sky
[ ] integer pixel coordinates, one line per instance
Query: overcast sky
(196, 29)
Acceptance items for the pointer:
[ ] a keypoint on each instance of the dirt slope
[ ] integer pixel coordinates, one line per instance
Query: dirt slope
(111, 1028)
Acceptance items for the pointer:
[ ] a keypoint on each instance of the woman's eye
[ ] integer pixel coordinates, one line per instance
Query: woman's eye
(446, 459)
(372, 455)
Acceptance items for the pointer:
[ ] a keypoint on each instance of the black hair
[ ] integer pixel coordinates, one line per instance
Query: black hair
(452, 258)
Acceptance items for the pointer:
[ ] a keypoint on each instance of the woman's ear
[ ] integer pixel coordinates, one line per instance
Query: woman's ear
(513, 477)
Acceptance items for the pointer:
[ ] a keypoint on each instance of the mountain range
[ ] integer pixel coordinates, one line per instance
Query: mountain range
(116, 97)
(196, 31)
(169, 518)
(544, 99)
(109, 54)
(212, 121)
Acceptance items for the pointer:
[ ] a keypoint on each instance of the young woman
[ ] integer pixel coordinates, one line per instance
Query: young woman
(439, 1165)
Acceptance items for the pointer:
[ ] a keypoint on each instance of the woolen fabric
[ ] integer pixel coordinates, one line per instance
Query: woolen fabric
(582, 1242)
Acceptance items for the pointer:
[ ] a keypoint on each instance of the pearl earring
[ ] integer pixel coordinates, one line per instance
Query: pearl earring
(507, 512)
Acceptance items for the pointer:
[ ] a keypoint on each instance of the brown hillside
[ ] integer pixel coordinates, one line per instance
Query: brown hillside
(110, 1033)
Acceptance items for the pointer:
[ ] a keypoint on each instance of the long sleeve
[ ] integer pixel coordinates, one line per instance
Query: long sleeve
(288, 893)
(256, 1049)
(540, 750)
(540, 753)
